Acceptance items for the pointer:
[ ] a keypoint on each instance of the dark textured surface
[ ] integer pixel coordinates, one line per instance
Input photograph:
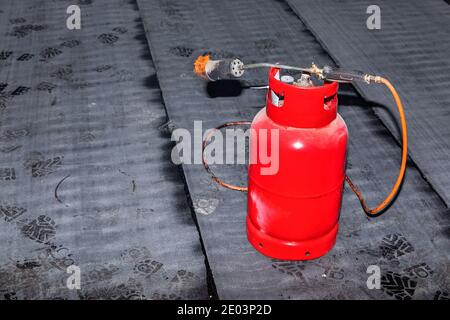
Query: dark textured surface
(86, 174)
(85, 170)
(412, 50)
(410, 242)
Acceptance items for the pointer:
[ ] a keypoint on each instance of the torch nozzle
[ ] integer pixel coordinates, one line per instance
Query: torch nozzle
(218, 69)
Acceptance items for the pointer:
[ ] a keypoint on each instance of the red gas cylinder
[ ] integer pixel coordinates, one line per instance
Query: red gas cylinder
(293, 213)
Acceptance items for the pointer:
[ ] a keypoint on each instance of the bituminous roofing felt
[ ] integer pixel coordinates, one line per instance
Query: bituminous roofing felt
(85, 171)
(409, 242)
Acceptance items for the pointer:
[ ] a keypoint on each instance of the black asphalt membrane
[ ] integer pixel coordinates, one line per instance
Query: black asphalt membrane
(87, 178)
(410, 242)
(412, 50)
(85, 171)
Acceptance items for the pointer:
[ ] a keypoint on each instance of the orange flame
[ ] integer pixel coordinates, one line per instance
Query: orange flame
(200, 65)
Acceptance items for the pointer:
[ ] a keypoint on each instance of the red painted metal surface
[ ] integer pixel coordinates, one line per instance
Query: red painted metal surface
(294, 213)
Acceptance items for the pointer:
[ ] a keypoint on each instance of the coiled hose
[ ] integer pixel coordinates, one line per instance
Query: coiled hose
(382, 205)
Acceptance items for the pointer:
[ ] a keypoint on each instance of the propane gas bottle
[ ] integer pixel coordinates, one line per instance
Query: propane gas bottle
(293, 211)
